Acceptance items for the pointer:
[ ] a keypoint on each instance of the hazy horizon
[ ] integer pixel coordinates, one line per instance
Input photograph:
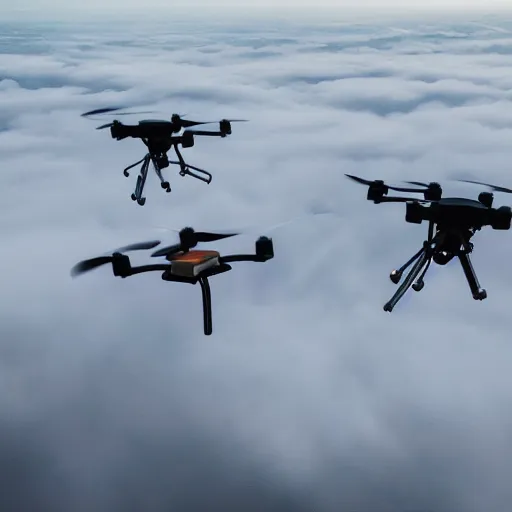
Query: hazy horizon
(26, 10)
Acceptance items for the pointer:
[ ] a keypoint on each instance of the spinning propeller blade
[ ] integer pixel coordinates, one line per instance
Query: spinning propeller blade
(108, 110)
(190, 238)
(204, 236)
(228, 121)
(220, 234)
(139, 246)
(363, 181)
(492, 187)
(185, 123)
(167, 251)
(418, 183)
(92, 263)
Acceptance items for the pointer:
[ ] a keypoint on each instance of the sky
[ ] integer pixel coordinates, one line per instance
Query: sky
(307, 396)
(244, 9)
(288, 4)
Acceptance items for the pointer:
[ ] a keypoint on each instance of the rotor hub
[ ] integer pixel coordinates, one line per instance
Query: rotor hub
(188, 238)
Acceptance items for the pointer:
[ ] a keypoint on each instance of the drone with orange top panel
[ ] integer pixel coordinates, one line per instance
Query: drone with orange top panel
(185, 265)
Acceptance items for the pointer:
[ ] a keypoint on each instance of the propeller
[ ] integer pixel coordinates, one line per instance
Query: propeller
(221, 234)
(107, 110)
(103, 126)
(492, 187)
(189, 238)
(184, 123)
(418, 183)
(92, 263)
(257, 229)
(176, 119)
(368, 183)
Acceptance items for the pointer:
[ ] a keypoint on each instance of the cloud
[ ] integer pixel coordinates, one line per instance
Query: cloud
(307, 396)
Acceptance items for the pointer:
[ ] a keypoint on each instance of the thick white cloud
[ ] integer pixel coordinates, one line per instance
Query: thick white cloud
(307, 394)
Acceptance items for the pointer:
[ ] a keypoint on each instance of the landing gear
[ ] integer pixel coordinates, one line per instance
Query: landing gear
(395, 276)
(481, 295)
(140, 200)
(477, 291)
(441, 248)
(418, 286)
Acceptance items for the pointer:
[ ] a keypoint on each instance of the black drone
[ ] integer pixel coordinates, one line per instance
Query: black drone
(160, 136)
(452, 222)
(185, 265)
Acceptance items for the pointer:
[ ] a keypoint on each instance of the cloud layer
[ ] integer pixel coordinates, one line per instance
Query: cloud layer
(307, 396)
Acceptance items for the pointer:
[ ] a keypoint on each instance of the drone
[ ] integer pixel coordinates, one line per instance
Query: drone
(160, 136)
(185, 265)
(452, 222)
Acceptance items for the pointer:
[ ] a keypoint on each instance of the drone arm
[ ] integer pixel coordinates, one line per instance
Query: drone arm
(122, 268)
(398, 200)
(207, 133)
(244, 257)
(207, 305)
(150, 268)
(264, 251)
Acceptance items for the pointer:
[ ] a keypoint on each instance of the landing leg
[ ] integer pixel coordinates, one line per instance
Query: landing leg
(476, 290)
(396, 275)
(164, 184)
(141, 181)
(408, 281)
(207, 306)
(420, 283)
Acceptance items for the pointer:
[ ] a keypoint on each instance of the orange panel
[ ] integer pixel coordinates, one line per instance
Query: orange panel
(196, 257)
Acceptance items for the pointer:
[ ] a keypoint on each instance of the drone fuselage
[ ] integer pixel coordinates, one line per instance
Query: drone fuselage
(144, 130)
(459, 213)
(157, 135)
(155, 129)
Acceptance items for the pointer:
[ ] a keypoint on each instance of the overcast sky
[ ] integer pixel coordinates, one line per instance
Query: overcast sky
(307, 396)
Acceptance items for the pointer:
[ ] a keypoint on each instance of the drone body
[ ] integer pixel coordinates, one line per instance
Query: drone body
(185, 265)
(452, 222)
(160, 136)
